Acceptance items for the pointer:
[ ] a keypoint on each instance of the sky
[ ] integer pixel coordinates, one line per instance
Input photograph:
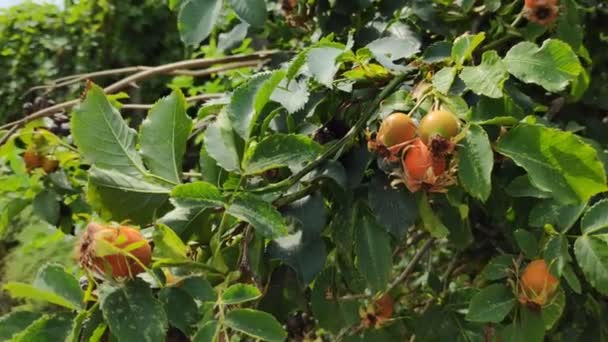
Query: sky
(8, 3)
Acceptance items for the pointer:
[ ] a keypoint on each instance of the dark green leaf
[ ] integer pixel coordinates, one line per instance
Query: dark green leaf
(491, 304)
(430, 221)
(48, 328)
(46, 206)
(557, 254)
(551, 212)
(488, 77)
(554, 310)
(261, 215)
(527, 243)
(521, 187)
(595, 219)
(240, 293)
(476, 163)
(373, 251)
(181, 309)
(207, 332)
(199, 288)
(498, 267)
(592, 255)
(15, 322)
(221, 143)
(280, 150)
(394, 208)
(437, 52)
(257, 324)
(133, 314)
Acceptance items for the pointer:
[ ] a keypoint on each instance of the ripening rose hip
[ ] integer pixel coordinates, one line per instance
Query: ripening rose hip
(32, 159)
(419, 162)
(97, 257)
(395, 129)
(536, 283)
(542, 12)
(438, 122)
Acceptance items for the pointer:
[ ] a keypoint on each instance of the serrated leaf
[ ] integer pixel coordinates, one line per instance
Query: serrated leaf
(553, 66)
(196, 19)
(233, 38)
(181, 309)
(124, 196)
(207, 332)
(252, 12)
(488, 77)
(240, 293)
(48, 328)
(249, 99)
(557, 253)
(133, 314)
(395, 209)
(527, 243)
(280, 150)
(52, 284)
(199, 288)
(595, 219)
(163, 136)
(521, 187)
(463, 46)
(443, 79)
(552, 212)
(261, 215)
(556, 161)
(291, 94)
(498, 267)
(102, 136)
(492, 304)
(591, 253)
(15, 322)
(257, 324)
(476, 161)
(322, 64)
(388, 50)
(437, 52)
(221, 143)
(373, 251)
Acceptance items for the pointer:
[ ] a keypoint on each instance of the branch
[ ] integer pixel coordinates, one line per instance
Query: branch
(191, 99)
(148, 73)
(409, 269)
(335, 148)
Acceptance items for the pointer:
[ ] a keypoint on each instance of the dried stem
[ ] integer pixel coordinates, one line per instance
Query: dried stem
(409, 269)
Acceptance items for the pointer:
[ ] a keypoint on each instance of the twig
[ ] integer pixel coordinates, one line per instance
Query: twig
(294, 196)
(8, 134)
(409, 269)
(333, 149)
(195, 63)
(190, 99)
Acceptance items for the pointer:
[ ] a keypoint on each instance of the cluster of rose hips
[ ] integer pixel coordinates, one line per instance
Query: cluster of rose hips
(424, 150)
(35, 158)
(117, 252)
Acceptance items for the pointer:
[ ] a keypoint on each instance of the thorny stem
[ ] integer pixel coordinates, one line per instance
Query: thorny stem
(335, 148)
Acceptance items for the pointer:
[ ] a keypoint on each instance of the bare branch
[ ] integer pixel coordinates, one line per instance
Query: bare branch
(409, 269)
(191, 99)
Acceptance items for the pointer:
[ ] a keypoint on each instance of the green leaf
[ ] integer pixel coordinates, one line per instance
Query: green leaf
(553, 66)
(521, 187)
(556, 253)
(207, 332)
(491, 304)
(240, 293)
(221, 143)
(198, 193)
(163, 136)
(96, 124)
(556, 161)
(554, 310)
(167, 244)
(527, 243)
(15, 322)
(476, 163)
(125, 197)
(443, 79)
(572, 279)
(395, 209)
(591, 253)
(595, 219)
(430, 221)
(303, 250)
(373, 251)
(498, 267)
(291, 94)
(488, 77)
(257, 324)
(554, 213)
(528, 327)
(280, 150)
(437, 52)
(191, 202)
(253, 12)
(249, 99)
(48, 328)
(52, 284)
(181, 309)
(196, 19)
(333, 314)
(199, 288)
(388, 50)
(464, 46)
(261, 215)
(46, 206)
(133, 314)
(322, 64)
